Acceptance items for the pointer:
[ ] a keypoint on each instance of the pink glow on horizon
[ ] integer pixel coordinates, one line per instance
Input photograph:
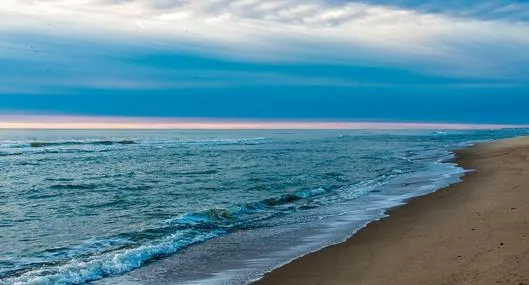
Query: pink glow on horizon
(84, 122)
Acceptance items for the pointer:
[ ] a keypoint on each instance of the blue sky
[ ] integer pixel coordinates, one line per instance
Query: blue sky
(372, 60)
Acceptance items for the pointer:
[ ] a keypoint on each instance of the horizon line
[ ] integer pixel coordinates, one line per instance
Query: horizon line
(74, 122)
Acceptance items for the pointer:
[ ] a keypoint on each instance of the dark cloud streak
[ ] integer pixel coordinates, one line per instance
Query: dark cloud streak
(504, 10)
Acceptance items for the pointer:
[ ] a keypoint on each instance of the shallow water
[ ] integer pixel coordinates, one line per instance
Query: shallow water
(200, 207)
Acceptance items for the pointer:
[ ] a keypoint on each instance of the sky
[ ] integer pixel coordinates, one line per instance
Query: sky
(276, 61)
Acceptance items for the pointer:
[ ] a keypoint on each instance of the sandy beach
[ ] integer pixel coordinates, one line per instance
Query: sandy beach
(474, 232)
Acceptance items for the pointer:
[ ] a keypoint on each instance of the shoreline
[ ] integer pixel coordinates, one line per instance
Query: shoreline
(450, 236)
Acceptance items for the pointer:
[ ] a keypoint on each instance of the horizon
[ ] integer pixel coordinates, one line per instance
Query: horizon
(143, 123)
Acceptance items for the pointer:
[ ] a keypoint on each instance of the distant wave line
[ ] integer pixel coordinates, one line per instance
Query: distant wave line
(48, 144)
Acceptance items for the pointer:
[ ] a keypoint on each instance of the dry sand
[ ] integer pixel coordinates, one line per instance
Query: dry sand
(475, 232)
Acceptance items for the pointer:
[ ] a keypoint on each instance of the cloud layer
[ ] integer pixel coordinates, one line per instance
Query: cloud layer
(424, 36)
(269, 58)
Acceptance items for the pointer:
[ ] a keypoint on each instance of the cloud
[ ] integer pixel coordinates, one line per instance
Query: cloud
(469, 40)
(504, 10)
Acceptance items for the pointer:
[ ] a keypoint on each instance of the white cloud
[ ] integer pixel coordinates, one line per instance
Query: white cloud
(287, 30)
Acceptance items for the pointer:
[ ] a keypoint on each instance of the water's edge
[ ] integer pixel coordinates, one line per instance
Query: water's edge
(387, 212)
(270, 262)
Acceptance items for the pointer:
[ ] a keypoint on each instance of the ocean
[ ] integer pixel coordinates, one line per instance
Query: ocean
(202, 207)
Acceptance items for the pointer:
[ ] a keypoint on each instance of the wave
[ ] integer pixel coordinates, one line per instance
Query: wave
(81, 271)
(198, 142)
(73, 186)
(62, 143)
(127, 251)
(243, 141)
(243, 214)
(199, 172)
(10, 154)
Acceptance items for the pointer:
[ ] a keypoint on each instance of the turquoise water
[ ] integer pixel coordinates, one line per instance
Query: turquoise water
(207, 207)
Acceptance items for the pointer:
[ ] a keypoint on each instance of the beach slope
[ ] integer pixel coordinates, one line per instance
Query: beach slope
(474, 232)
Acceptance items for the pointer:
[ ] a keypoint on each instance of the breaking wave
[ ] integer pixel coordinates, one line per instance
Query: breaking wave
(125, 252)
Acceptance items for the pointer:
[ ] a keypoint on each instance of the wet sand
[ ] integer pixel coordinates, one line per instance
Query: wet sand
(474, 232)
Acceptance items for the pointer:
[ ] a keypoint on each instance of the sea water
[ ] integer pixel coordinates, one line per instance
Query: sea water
(201, 207)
